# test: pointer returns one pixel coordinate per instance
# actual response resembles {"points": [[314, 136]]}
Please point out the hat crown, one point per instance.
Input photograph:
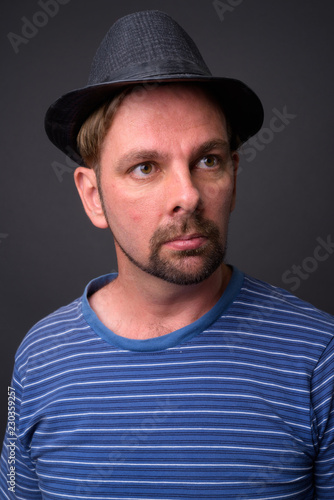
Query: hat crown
{"points": [[145, 43]]}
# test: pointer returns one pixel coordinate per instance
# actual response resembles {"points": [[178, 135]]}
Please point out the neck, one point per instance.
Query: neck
{"points": [[138, 305]]}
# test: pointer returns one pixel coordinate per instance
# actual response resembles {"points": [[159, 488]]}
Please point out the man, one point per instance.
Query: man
{"points": [[179, 377]]}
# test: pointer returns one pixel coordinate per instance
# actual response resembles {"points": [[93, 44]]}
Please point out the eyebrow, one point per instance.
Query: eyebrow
{"points": [[137, 156], [211, 145]]}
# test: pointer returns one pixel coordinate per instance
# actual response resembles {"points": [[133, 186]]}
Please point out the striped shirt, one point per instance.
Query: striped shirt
{"points": [[237, 405]]}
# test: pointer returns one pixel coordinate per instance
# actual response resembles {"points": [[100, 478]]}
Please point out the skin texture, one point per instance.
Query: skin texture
{"points": [[167, 189]]}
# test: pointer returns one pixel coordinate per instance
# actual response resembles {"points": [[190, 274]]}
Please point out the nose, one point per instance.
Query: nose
{"points": [[182, 194]]}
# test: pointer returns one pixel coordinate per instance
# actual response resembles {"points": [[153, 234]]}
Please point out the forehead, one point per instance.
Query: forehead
{"points": [[175, 97], [165, 116]]}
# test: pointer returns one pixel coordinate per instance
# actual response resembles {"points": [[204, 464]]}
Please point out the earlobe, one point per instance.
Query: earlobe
{"points": [[86, 184]]}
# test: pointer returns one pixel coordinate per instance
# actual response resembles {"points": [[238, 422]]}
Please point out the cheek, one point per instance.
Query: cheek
{"points": [[218, 198], [139, 212], [134, 217]]}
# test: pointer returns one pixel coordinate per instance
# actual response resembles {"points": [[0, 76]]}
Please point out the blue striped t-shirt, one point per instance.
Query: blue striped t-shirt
{"points": [[237, 405]]}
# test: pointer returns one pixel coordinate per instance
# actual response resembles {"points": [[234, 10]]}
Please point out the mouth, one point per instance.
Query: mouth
{"points": [[186, 242]]}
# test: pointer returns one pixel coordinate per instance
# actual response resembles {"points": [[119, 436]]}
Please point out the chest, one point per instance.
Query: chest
{"points": [[193, 421]]}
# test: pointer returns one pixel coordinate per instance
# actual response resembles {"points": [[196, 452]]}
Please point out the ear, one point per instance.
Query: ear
{"points": [[235, 161], [86, 183]]}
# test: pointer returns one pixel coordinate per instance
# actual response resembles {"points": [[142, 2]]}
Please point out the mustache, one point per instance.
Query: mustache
{"points": [[192, 224]]}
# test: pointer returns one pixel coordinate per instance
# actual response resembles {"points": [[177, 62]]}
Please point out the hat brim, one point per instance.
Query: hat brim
{"points": [[65, 117]]}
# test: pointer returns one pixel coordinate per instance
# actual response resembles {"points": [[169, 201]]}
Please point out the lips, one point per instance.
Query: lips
{"points": [[186, 242]]}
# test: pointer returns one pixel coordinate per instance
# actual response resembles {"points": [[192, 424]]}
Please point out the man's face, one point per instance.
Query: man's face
{"points": [[168, 183]]}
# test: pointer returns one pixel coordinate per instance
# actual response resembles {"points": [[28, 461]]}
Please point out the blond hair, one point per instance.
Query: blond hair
{"points": [[94, 130]]}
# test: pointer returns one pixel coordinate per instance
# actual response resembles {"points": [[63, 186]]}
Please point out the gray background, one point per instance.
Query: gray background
{"points": [[48, 248]]}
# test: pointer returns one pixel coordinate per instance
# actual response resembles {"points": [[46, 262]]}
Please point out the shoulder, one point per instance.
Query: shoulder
{"points": [[268, 294], [276, 308], [57, 328], [59, 334]]}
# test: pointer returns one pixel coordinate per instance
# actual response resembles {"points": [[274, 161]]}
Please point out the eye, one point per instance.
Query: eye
{"points": [[208, 161], [143, 170]]}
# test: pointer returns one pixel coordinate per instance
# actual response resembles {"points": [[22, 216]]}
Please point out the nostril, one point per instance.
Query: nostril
{"points": [[176, 209]]}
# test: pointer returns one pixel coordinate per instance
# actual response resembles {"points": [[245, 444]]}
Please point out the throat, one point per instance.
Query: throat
{"points": [[148, 332], [139, 315]]}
